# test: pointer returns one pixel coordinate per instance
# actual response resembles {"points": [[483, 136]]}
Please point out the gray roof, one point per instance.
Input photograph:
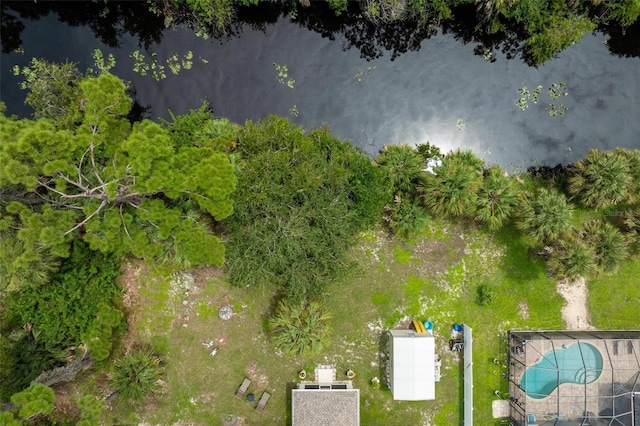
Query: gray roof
{"points": [[325, 407]]}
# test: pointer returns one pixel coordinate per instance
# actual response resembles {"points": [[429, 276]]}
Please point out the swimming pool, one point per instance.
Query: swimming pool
{"points": [[579, 363]]}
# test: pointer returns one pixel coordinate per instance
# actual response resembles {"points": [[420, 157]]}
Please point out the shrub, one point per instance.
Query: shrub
{"points": [[7, 419], [35, 400], [19, 269], [23, 356], [406, 217], [62, 310], [137, 374], [375, 383], [54, 90], [199, 128], [485, 294], [298, 328], [91, 409], [99, 335]]}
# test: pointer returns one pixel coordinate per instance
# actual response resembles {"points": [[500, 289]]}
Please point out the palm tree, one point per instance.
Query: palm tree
{"points": [[406, 217], [497, 198], [608, 244], [602, 179], [403, 166], [631, 228], [453, 188], [298, 328], [571, 259], [633, 158], [546, 216]]}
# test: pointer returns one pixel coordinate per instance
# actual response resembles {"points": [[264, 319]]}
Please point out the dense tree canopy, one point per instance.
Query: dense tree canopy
{"points": [[122, 188], [536, 29], [78, 305], [302, 197]]}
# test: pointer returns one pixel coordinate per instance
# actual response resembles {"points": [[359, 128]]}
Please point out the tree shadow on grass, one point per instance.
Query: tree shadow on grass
{"points": [[290, 387], [518, 263], [383, 358]]}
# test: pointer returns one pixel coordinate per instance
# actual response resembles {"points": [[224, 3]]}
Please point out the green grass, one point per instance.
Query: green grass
{"points": [[614, 298], [433, 279], [402, 255], [200, 388]]}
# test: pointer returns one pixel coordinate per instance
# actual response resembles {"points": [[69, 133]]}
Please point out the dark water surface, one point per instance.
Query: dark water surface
{"points": [[442, 93]]}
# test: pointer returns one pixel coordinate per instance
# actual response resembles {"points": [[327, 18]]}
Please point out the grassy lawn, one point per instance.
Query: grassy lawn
{"points": [[435, 278], [614, 299]]}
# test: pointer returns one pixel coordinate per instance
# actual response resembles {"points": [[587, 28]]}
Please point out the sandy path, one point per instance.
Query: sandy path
{"points": [[575, 312]]}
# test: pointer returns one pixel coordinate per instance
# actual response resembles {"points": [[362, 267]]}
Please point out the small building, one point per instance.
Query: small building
{"points": [[412, 369], [325, 401]]}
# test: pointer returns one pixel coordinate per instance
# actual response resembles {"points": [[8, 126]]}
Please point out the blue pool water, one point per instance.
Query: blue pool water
{"points": [[579, 363]]}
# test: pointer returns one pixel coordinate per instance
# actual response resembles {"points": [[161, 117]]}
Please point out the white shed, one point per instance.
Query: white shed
{"points": [[412, 365]]}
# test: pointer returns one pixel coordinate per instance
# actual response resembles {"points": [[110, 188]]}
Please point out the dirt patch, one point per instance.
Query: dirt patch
{"points": [[523, 310], [575, 312], [207, 399], [257, 375], [437, 256], [129, 282], [66, 396], [201, 275]]}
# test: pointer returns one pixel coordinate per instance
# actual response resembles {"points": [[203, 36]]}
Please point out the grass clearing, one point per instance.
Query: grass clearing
{"points": [[433, 278], [614, 298]]}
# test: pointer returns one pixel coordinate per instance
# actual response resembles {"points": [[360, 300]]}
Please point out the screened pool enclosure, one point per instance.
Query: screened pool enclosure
{"points": [[574, 377]]}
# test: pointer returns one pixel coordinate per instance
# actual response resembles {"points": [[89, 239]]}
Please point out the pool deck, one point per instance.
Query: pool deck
{"points": [[570, 400]]}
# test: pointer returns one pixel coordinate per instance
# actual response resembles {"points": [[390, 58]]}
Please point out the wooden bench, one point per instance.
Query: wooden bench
{"points": [[243, 388], [263, 401]]}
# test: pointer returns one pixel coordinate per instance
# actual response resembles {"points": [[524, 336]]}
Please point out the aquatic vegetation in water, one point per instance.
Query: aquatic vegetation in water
{"points": [[557, 89], [100, 63], [555, 92], [526, 95], [283, 75], [555, 110], [174, 62], [363, 72]]}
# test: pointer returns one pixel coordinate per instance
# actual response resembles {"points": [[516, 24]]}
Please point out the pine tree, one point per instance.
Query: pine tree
{"points": [[122, 188]]}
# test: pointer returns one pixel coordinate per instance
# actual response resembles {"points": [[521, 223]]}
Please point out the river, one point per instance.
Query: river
{"points": [[442, 93]]}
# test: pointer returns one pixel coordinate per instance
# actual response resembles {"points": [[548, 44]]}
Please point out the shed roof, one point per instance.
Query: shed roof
{"points": [[412, 372]]}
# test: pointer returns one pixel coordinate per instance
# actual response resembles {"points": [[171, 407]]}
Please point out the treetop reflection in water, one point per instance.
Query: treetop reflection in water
{"points": [[470, 22]]}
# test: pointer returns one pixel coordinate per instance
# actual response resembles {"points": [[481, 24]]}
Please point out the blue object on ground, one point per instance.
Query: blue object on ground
{"points": [[428, 325], [457, 327]]}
